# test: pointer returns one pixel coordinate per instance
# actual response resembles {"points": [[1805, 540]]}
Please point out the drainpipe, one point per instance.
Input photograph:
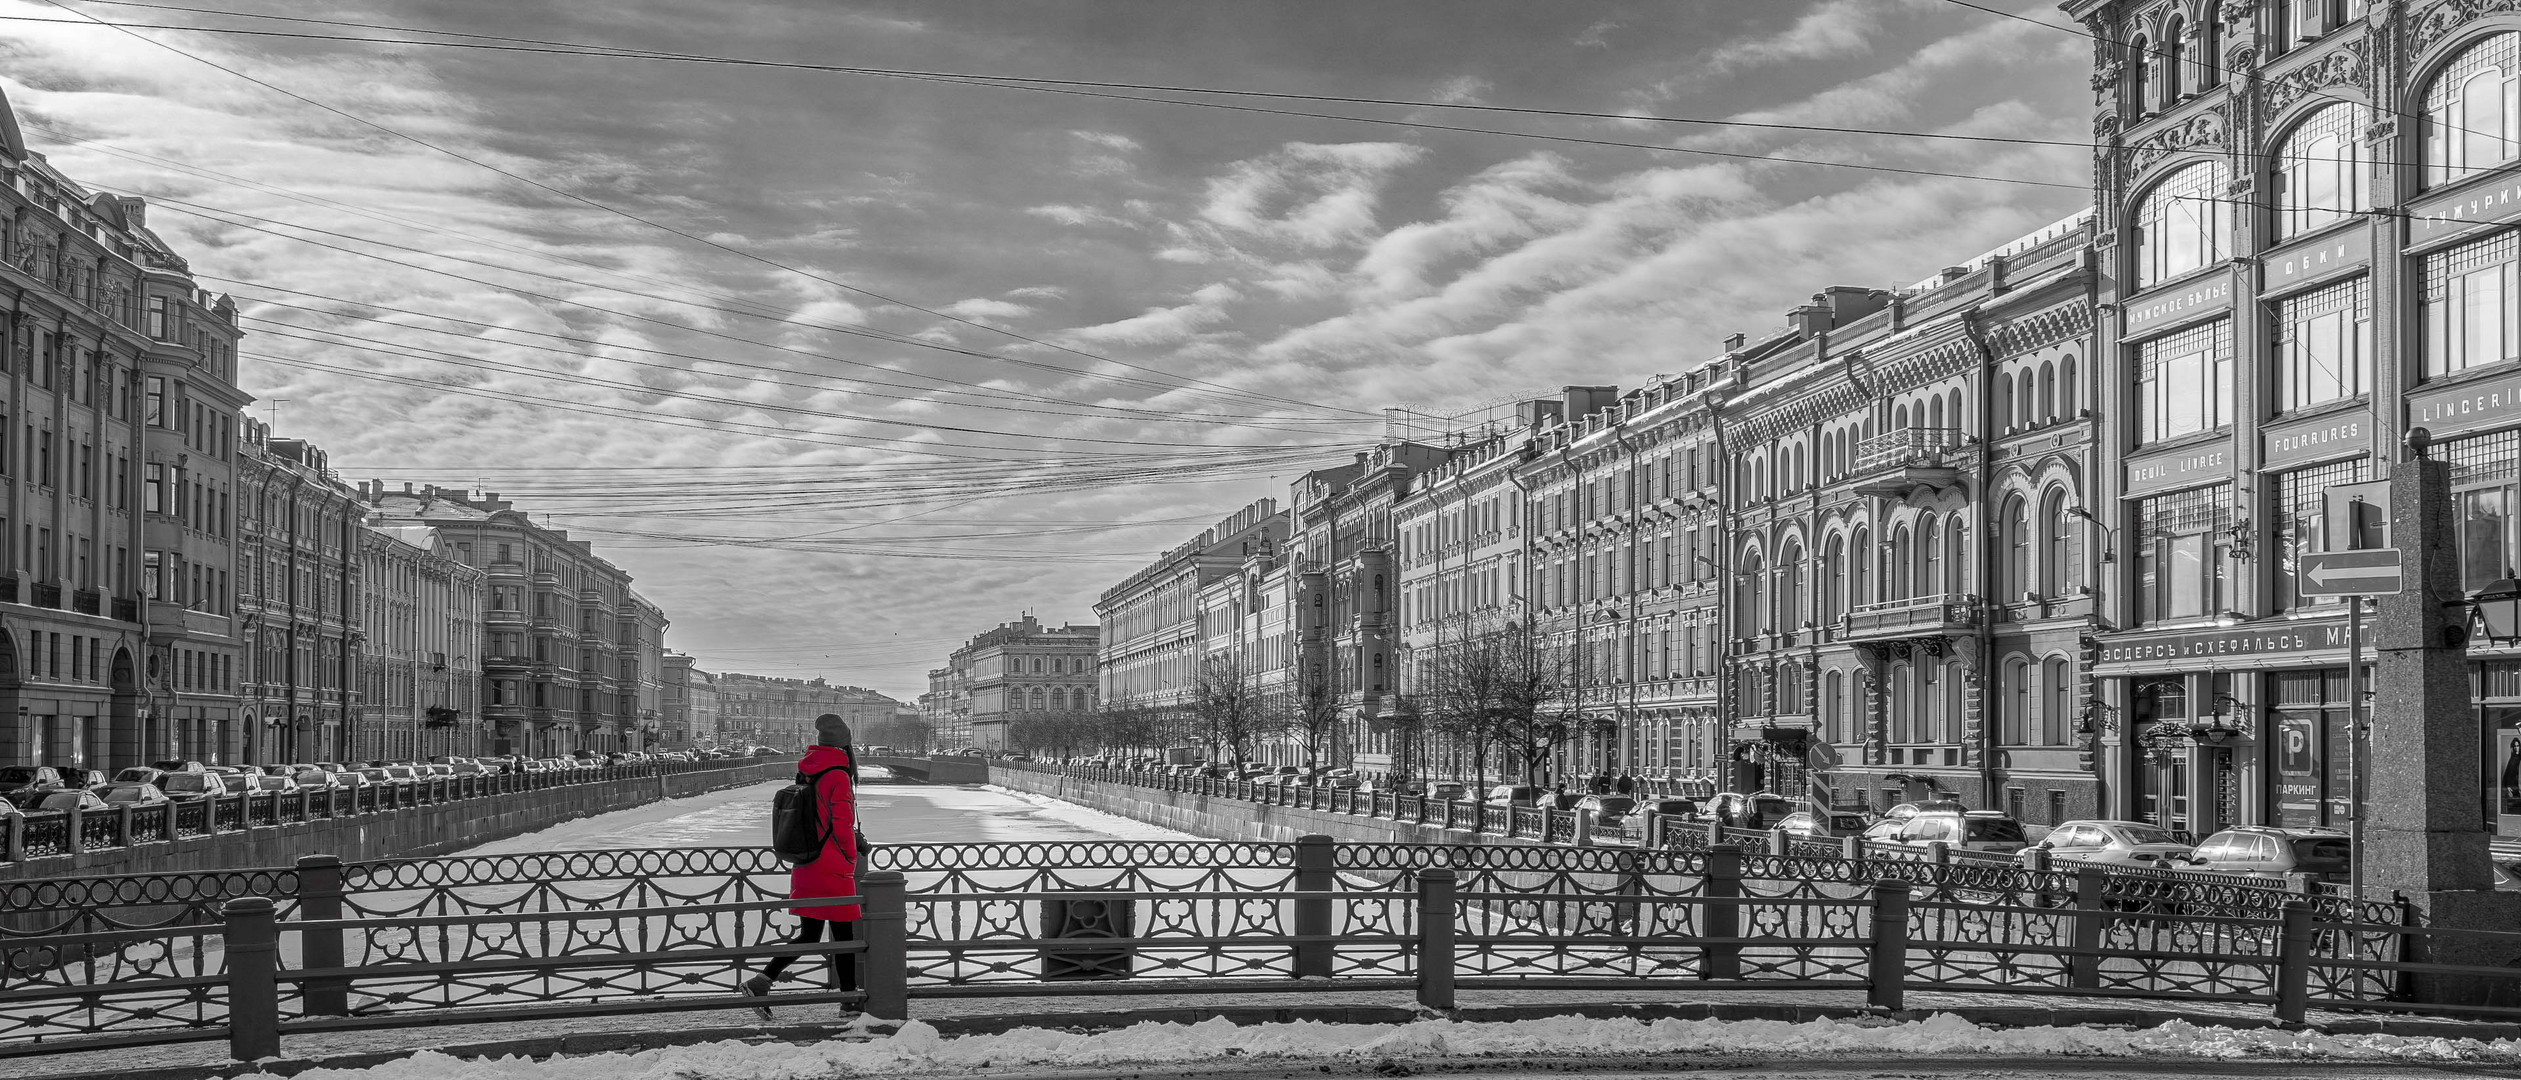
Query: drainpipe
{"points": [[1985, 564]]}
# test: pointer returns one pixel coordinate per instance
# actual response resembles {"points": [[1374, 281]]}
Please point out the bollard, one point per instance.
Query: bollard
{"points": [[1886, 967], [1435, 938], [884, 969], [1722, 958], [1315, 877], [253, 945], [319, 900], [2084, 964], [2293, 963]]}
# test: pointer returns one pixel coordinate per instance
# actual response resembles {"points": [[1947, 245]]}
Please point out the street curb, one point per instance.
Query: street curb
{"points": [[630, 1042]]}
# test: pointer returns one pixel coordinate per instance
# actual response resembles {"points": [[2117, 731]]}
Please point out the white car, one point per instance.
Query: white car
{"points": [[2115, 843]]}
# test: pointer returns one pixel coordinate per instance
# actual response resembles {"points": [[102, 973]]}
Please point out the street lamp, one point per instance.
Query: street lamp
{"points": [[2109, 539]]}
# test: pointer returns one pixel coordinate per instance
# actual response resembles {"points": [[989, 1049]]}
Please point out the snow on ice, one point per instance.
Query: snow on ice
{"points": [[919, 1050]]}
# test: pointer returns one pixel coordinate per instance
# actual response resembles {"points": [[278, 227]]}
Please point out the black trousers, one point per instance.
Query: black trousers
{"points": [[809, 931]]}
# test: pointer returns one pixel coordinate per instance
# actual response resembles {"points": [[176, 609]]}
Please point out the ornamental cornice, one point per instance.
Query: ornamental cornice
{"points": [[2443, 19], [2345, 65], [2207, 130]]}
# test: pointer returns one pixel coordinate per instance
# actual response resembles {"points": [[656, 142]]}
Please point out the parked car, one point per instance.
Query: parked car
{"points": [[133, 793], [76, 778], [310, 778], [1340, 778], [1973, 830], [22, 785], [1668, 809], [139, 774], [178, 765], [1605, 809], [1834, 823], [80, 799], [2115, 843], [1758, 810], [193, 787], [69, 798], [2273, 851], [266, 783], [1450, 790], [1514, 795]]}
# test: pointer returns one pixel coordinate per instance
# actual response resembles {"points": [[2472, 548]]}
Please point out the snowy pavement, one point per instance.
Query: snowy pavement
{"points": [[1860, 1047]]}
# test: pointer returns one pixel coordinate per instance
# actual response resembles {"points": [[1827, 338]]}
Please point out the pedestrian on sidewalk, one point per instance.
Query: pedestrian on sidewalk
{"points": [[1623, 785], [832, 768]]}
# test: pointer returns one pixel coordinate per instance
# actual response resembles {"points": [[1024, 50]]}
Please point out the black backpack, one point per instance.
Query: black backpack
{"points": [[797, 829]]}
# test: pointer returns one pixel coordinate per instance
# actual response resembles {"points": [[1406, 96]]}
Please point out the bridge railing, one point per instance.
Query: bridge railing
{"points": [[323, 946], [54, 833]]}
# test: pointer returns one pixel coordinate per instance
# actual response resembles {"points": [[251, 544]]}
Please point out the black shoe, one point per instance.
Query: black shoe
{"points": [[759, 986]]}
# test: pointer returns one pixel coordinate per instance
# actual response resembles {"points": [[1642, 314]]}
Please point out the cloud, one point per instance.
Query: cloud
{"points": [[1306, 194], [1596, 36], [1832, 30], [981, 308], [1462, 90], [1165, 326]]}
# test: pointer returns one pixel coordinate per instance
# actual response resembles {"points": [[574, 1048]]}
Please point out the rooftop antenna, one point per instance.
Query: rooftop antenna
{"points": [[276, 403]]}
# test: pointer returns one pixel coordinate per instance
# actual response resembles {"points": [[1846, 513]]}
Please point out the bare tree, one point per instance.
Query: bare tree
{"points": [[1505, 684], [1309, 709], [1230, 709]]}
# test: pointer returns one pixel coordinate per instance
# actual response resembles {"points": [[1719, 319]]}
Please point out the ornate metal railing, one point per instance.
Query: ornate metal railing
{"points": [[49, 834], [251, 956]]}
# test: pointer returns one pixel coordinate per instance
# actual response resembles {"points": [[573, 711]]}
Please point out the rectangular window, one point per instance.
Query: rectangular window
{"points": [[2469, 305], [2485, 492], [2184, 383], [2301, 514], [157, 318], [2181, 548], [155, 489], [2324, 346], [153, 404]]}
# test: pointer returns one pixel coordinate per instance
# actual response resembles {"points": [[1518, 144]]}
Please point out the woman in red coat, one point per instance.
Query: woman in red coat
{"points": [[834, 769]]}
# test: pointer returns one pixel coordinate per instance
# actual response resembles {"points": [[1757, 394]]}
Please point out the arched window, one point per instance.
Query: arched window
{"points": [[1899, 417], [1837, 724], [2016, 530], [1895, 573], [1956, 559], [2181, 224], [2205, 62], [1955, 684], [1789, 587], [2066, 387], [2057, 568], [2013, 724], [1902, 704], [1833, 591], [2322, 166], [2048, 393], [2471, 109], [1954, 398], [2174, 73], [1859, 569], [1935, 413], [1929, 561], [1747, 590], [2026, 398], [2002, 385], [2140, 75], [1790, 689], [2057, 678]]}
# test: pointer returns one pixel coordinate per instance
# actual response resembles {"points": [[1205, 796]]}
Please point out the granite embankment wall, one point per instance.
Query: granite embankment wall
{"points": [[1221, 818], [397, 832]]}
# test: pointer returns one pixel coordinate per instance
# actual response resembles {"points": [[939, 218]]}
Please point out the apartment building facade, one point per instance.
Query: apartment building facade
{"points": [[1025, 668], [688, 703], [1149, 623], [421, 611], [762, 710]]}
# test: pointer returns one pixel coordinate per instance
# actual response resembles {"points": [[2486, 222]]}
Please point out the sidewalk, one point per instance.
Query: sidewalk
{"points": [[963, 1016]]}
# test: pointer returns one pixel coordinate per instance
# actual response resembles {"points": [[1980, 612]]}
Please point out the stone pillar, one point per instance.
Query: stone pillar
{"points": [[2425, 831]]}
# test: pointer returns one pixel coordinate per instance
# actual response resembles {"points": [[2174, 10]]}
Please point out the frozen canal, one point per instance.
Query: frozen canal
{"points": [[892, 814]]}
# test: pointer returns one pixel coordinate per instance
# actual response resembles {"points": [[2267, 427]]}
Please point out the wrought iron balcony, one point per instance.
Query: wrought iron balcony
{"points": [[47, 594], [126, 609], [1895, 463], [1919, 616], [87, 601]]}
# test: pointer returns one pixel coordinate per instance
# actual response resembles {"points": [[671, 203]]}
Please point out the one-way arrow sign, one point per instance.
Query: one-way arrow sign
{"points": [[2371, 572]]}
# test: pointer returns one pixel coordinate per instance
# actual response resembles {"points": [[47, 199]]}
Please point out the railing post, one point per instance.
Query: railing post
{"points": [[1851, 848], [1780, 842], [2293, 963], [1316, 876], [1938, 853], [319, 900], [169, 810], [2034, 859], [1584, 828], [74, 836], [13, 838], [2084, 966], [1722, 957], [885, 973], [1435, 938], [253, 947], [1715, 833], [1886, 967]]}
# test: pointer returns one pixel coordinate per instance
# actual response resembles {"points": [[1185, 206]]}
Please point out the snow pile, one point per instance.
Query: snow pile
{"points": [[918, 1049], [1106, 826]]}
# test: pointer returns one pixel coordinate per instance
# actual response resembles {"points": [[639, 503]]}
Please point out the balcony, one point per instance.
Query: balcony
{"points": [[126, 609], [1896, 463], [1916, 617], [8, 590], [505, 569], [87, 602], [46, 594]]}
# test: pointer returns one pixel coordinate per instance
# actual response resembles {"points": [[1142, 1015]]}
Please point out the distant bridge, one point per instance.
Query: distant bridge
{"points": [[941, 770]]}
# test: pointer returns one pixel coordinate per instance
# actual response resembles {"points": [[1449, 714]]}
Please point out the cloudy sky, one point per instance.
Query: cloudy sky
{"points": [[845, 366]]}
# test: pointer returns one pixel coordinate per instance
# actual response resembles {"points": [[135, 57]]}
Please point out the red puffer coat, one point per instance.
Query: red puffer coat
{"points": [[836, 872]]}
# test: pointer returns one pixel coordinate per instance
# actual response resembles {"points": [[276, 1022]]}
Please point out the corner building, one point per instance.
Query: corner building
{"points": [[298, 564], [2306, 231]]}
